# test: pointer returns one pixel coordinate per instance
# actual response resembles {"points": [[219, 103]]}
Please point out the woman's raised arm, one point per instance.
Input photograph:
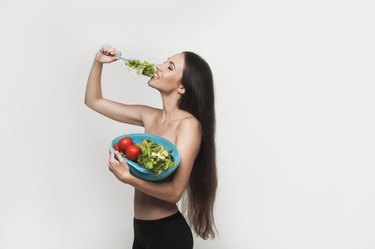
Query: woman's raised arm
{"points": [[130, 114]]}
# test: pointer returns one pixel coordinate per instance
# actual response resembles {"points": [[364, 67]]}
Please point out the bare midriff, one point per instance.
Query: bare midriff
{"points": [[147, 207]]}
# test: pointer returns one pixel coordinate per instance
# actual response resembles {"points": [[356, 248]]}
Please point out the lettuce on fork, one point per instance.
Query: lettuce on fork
{"points": [[145, 68]]}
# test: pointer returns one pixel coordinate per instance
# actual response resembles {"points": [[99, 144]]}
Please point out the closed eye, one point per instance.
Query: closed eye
{"points": [[171, 64]]}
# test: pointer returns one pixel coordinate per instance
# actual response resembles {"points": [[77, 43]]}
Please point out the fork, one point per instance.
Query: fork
{"points": [[122, 58]]}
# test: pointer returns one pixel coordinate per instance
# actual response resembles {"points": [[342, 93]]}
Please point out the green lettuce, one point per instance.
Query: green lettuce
{"points": [[155, 157], [145, 68]]}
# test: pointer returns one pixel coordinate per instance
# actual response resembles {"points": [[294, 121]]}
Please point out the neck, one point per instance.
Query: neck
{"points": [[170, 108]]}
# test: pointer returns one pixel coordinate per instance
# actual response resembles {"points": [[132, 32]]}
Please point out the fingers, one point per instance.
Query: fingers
{"points": [[119, 157], [111, 161], [115, 157], [112, 157], [118, 167], [109, 51], [110, 152], [110, 167], [106, 52]]}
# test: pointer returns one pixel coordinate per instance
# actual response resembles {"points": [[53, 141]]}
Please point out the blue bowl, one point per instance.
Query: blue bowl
{"points": [[138, 170]]}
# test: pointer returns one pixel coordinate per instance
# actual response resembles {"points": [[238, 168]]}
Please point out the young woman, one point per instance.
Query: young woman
{"points": [[187, 119]]}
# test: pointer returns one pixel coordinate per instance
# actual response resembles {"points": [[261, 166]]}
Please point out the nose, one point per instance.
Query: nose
{"points": [[158, 67]]}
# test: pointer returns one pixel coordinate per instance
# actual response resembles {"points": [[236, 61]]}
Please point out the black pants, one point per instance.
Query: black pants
{"points": [[171, 232]]}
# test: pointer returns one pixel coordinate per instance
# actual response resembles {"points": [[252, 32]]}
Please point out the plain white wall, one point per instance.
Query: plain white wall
{"points": [[295, 120]]}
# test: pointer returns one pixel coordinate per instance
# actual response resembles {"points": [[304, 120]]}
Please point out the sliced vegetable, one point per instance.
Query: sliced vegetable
{"points": [[155, 156]]}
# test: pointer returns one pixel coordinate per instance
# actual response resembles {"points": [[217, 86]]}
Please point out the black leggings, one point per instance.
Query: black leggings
{"points": [[166, 233]]}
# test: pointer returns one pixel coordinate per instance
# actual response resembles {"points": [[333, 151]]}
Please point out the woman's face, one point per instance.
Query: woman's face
{"points": [[167, 77]]}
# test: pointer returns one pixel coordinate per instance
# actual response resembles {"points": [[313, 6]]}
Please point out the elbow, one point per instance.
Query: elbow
{"points": [[89, 103], [173, 200], [175, 197], [177, 190], [86, 102]]}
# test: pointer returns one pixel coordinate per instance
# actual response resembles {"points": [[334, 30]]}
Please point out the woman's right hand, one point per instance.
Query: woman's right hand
{"points": [[107, 55]]}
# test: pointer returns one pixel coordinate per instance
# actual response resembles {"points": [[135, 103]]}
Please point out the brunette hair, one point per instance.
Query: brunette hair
{"points": [[198, 100]]}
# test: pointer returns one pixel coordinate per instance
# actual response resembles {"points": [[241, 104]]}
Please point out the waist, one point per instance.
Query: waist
{"points": [[177, 215], [150, 208]]}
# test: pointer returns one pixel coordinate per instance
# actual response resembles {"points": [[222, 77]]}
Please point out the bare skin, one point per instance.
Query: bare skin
{"points": [[151, 200], [146, 206]]}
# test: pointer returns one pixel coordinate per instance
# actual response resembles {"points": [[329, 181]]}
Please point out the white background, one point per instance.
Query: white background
{"points": [[294, 85]]}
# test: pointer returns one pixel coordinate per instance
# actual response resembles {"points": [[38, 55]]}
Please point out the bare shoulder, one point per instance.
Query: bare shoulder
{"points": [[188, 142], [189, 132], [189, 123]]}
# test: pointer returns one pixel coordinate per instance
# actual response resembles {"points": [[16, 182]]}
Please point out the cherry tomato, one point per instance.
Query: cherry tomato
{"points": [[132, 152], [124, 143], [115, 146]]}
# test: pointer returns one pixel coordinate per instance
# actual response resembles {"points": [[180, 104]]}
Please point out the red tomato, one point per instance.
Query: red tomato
{"points": [[132, 152], [124, 143], [115, 146]]}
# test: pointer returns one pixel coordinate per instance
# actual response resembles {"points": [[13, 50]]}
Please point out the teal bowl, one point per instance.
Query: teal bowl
{"points": [[138, 170]]}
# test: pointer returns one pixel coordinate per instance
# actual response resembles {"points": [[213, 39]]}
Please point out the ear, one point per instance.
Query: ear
{"points": [[181, 89]]}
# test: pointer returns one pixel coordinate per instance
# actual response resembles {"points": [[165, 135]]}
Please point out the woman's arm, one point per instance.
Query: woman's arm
{"points": [[130, 114], [188, 144], [93, 87]]}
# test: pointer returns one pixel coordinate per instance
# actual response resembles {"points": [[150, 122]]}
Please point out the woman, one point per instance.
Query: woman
{"points": [[188, 120]]}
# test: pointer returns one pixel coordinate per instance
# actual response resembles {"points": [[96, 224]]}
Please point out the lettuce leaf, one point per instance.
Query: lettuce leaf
{"points": [[145, 68], [155, 156]]}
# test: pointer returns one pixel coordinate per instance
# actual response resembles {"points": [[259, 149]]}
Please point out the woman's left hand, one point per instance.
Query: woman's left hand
{"points": [[119, 167]]}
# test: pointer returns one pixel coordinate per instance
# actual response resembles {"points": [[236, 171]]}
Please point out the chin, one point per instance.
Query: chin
{"points": [[150, 84]]}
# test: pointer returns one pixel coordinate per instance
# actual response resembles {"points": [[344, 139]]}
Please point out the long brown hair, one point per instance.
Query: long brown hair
{"points": [[198, 100]]}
